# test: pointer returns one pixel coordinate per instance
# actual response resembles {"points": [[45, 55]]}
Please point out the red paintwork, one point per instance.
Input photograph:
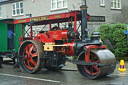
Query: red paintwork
{"points": [[69, 49], [56, 35], [31, 56], [64, 34], [90, 69], [20, 40], [51, 36], [9, 22], [22, 31], [75, 22], [50, 27], [48, 18], [31, 33], [43, 37], [89, 47], [19, 21]]}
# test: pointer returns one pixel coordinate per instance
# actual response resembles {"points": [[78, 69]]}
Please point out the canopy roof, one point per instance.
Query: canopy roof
{"points": [[55, 18], [9, 21]]}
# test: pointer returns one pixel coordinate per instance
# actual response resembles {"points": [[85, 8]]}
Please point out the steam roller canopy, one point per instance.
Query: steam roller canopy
{"points": [[104, 57]]}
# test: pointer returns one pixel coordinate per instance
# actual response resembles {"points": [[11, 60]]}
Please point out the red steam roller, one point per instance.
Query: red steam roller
{"points": [[49, 49]]}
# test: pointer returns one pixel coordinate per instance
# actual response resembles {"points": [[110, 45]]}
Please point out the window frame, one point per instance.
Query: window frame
{"points": [[0, 12], [17, 8], [116, 2], [102, 4], [56, 3]]}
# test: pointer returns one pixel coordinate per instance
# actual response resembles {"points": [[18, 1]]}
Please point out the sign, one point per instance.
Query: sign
{"points": [[58, 16], [22, 21], [125, 32], [96, 19], [40, 18]]}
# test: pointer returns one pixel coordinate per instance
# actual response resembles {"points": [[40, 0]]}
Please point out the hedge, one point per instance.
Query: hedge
{"points": [[113, 36]]}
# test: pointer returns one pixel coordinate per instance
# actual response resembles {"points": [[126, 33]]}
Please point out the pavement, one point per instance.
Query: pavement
{"points": [[70, 66]]}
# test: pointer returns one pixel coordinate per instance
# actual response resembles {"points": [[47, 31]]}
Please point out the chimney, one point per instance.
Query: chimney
{"points": [[84, 32]]}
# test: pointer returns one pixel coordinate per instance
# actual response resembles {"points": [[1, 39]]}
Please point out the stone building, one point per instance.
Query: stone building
{"points": [[101, 11]]}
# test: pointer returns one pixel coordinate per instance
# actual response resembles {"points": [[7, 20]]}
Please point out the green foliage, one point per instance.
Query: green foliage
{"points": [[118, 40]]}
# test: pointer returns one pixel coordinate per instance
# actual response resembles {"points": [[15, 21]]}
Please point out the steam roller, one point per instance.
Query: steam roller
{"points": [[106, 65], [49, 49]]}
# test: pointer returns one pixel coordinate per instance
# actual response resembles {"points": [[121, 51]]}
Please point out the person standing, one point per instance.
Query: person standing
{"points": [[10, 35]]}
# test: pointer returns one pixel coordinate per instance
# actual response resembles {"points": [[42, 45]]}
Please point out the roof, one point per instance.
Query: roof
{"points": [[46, 19], [55, 18], [10, 21]]}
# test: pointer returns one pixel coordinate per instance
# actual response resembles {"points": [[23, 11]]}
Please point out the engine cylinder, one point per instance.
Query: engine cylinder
{"points": [[69, 50]]}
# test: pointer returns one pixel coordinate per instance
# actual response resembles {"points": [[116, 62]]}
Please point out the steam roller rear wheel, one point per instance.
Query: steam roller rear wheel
{"points": [[104, 57], [31, 56]]}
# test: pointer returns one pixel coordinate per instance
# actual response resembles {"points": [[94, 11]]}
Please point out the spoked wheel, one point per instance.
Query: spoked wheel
{"points": [[92, 70], [31, 56], [95, 71]]}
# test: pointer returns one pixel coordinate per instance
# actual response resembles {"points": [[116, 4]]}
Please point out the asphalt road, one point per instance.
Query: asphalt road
{"points": [[68, 76]]}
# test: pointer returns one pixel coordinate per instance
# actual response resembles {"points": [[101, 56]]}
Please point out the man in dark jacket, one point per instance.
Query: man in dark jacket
{"points": [[10, 35]]}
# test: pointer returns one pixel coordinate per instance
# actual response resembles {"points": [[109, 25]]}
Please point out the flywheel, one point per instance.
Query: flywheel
{"points": [[31, 56]]}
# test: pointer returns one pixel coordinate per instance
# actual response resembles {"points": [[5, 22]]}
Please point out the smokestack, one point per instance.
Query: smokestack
{"points": [[84, 32]]}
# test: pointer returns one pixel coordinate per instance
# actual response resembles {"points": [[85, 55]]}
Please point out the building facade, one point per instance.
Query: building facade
{"points": [[112, 11]]}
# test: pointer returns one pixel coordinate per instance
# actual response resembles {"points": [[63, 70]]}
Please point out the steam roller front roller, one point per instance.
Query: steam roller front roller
{"points": [[103, 57], [31, 56]]}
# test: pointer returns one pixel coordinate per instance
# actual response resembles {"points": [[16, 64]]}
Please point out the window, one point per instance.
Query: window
{"points": [[115, 4], [17, 9], [0, 13], [58, 4], [102, 3]]}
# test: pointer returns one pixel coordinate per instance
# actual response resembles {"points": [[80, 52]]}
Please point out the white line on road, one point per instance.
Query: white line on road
{"points": [[121, 74], [30, 78]]}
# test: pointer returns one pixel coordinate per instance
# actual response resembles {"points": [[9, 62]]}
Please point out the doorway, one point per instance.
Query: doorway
{"points": [[10, 36]]}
